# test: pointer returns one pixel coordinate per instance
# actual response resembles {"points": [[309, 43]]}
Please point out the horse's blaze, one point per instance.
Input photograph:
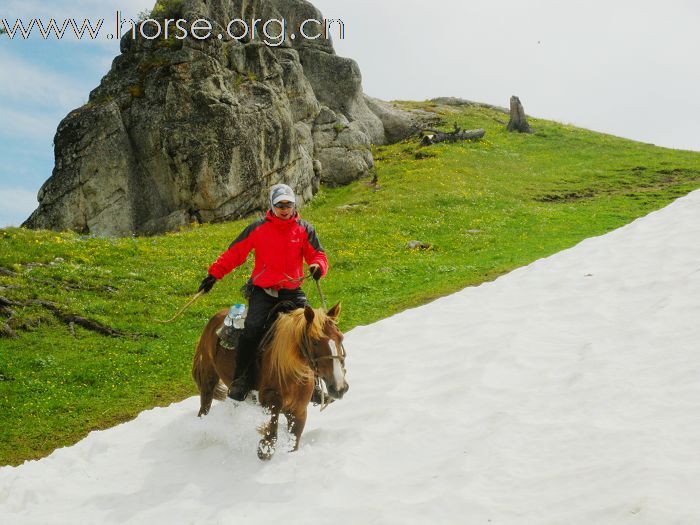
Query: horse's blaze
{"points": [[338, 376]]}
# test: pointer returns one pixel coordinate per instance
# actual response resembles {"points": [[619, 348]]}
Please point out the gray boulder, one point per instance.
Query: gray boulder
{"points": [[188, 130], [399, 124]]}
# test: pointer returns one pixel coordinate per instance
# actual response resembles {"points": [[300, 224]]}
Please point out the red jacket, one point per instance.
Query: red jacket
{"points": [[279, 248]]}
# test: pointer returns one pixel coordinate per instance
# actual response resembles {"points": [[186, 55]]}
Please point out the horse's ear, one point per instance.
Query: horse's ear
{"points": [[334, 312], [309, 314]]}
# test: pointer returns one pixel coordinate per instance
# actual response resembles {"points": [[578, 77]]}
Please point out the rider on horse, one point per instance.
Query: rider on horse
{"points": [[282, 241]]}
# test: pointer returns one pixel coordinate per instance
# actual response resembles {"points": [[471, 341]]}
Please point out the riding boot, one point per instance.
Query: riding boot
{"points": [[242, 382]]}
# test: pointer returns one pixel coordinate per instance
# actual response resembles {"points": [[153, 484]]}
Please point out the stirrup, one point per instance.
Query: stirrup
{"points": [[317, 395], [239, 389]]}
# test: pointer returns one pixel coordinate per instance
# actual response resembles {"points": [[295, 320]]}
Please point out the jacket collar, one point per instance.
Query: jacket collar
{"points": [[274, 219]]}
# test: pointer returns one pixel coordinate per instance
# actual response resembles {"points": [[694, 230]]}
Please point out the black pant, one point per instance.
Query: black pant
{"points": [[258, 321], [261, 305]]}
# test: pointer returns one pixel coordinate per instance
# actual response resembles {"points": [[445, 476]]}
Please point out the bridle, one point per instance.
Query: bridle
{"points": [[313, 364], [341, 357], [313, 361]]}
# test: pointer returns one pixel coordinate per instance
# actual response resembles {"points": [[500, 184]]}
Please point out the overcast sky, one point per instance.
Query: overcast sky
{"points": [[623, 67]]}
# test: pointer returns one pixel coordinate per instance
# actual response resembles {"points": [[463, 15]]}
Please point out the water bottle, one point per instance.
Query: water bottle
{"points": [[236, 316]]}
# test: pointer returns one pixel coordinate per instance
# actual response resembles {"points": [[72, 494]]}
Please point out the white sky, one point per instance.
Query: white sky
{"points": [[565, 392], [622, 67]]}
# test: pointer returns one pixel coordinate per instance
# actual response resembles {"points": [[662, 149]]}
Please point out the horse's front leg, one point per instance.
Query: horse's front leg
{"points": [[272, 401], [296, 421]]}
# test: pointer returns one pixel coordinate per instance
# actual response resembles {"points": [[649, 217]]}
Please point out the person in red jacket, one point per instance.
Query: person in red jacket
{"points": [[282, 241]]}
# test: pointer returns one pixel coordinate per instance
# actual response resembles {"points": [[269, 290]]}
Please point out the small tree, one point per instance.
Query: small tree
{"points": [[143, 15], [167, 9]]}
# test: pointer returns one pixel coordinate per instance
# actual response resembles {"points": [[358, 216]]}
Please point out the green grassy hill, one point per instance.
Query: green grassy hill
{"points": [[484, 208]]}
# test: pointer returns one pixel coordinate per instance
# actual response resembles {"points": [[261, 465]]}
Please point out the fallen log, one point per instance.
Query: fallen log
{"points": [[69, 318], [458, 134], [65, 317], [7, 272]]}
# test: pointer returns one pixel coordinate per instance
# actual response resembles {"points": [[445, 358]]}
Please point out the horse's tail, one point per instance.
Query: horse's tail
{"points": [[204, 370], [198, 365]]}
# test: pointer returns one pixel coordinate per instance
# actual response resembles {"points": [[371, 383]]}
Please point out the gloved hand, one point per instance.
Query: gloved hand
{"points": [[207, 284], [315, 271]]}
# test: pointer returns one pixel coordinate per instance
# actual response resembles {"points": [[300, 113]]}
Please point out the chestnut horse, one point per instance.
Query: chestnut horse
{"points": [[300, 344]]}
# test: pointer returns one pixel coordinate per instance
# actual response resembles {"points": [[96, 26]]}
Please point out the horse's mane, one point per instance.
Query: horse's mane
{"points": [[283, 344]]}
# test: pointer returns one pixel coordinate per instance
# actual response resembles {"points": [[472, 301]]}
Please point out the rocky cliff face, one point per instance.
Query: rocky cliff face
{"points": [[189, 130]]}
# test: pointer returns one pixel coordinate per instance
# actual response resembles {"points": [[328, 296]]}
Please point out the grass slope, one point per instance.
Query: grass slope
{"points": [[485, 208]]}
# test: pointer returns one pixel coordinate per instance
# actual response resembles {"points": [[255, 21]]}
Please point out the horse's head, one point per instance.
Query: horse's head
{"points": [[327, 354]]}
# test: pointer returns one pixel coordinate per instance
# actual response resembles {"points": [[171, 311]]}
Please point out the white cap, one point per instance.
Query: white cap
{"points": [[281, 192]]}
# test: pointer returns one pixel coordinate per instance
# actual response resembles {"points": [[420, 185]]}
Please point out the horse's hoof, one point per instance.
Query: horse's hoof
{"points": [[265, 450]]}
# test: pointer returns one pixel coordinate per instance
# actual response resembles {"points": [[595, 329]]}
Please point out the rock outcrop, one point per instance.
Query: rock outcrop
{"points": [[456, 101], [197, 130]]}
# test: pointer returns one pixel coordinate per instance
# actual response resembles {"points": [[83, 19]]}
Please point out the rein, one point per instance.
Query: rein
{"points": [[301, 280], [320, 294]]}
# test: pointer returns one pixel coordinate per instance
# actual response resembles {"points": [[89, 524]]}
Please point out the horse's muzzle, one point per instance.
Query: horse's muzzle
{"points": [[338, 394]]}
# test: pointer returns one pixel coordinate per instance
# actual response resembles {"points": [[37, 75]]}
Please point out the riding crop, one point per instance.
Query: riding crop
{"points": [[199, 294], [196, 296]]}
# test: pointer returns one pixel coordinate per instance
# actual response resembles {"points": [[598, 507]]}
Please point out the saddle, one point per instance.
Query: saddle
{"points": [[229, 335]]}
